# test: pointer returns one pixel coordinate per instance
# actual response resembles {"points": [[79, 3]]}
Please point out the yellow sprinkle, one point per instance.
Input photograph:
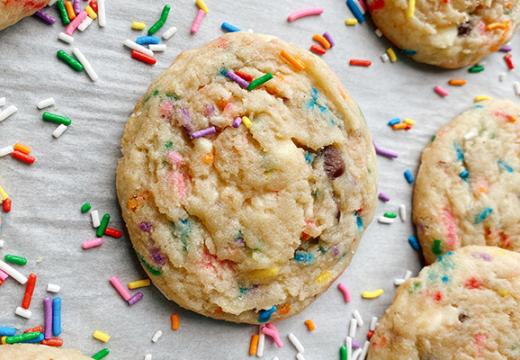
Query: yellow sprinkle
{"points": [[262, 276], [138, 284], [503, 292], [2, 340], [411, 9], [138, 25], [297, 64], [372, 294], [3, 194], [391, 55], [480, 98], [246, 122], [101, 336], [91, 13], [351, 22], [202, 5], [323, 277], [409, 121]]}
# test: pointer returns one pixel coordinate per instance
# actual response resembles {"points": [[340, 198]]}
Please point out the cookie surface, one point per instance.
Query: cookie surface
{"points": [[468, 185], [254, 221], [12, 11], [38, 352], [449, 34], [464, 306]]}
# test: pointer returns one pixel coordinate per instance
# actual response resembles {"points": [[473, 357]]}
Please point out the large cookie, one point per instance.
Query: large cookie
{"points": [[449, 34], [38, 352], [468, 184], [261, 215], [12, 11], [465, 306]]}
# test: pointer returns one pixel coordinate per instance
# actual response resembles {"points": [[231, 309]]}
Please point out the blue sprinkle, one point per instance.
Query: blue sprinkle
{"points": [[483, 215], [56, 316], [147, 40], [412, 240], [408, 176], [464, 174], [505, 166], [359, 222], [265, 315], [322, 108], [394, 121], [356, 11], [223, 72], [445, 279], [460, 153], [39, 339], [227, 27], [308, 157], [409, 52], [304, 257], [7, 331]]}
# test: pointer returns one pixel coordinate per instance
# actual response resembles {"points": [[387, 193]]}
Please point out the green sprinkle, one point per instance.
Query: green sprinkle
{"points": [[69, 60], [390, 215], [153, 270], [55, 118], [343, 353], [85, 207], [162, 20], [259, 81], [476, 69], [437, 247], [60, 4], [13, 259], [22, 337], [100, 231], [101, 354]]}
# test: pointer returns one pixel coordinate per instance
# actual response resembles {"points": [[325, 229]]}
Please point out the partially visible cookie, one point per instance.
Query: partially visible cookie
{"points": [[38, 352], [465, 306], [13, 11], [468, 186], [449, 34]]}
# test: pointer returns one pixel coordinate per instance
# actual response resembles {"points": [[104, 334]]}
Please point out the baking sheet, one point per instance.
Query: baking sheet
{"points": [[47, 227]]}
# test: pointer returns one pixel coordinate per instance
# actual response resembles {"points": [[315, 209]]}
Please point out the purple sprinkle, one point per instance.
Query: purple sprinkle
{"points": [[186, 120], [385, 152], [327, 36], [231, 75], [506, 48], [383, 197], [237, 122], [157, 257], [335, 250], [46, 18], [76, 6], [145, 226], [209, 110], [204, 132], [47, 310], [481, 255], [355, 344], [135, 298]]}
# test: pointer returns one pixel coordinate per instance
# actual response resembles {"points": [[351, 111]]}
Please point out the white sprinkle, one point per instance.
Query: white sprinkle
{"points": [[299, 356], [53, 288], [378, 33], [59, 131], [15, 274], [365, 350], [385, 220], [101, 13], [275, 358], [471, 134], [501, 77], [2, 101], [352, 328], [169, 33], [373, 323], [516, 86], [157, 334], [25, 313], [398, 281], [135, 46], [148, 357], [85, 24], [349, 347], [65, 38], [296, 343], [261, 345], [358, 318], [6, 150], [86, 64], [46, 103], [2, 243], [407, 274], [51, 2], [94, 215], [8, 111], [356, 353], [385, 58], [402, 212], [157, 47]]}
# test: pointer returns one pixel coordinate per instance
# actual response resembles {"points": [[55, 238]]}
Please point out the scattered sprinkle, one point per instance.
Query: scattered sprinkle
{"points": [[372, 294], [304, 13]]}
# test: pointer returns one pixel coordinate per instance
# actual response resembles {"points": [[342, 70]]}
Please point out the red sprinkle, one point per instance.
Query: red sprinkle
{"points": [[113, 232], [56, 342], [143, 57], [508, 58], [370, 333], [6, 205], [317, 49], [29, 290], [360, 62], [38, 328], [376, 5], [93, 5], [20, 156], [244, 75]]}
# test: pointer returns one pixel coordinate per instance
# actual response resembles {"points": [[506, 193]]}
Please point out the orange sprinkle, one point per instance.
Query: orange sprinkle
{"points": [[310, 325], [56, 342], [494, 26], [401, 126], [208, 159], [253, 345], [22, 148], [321, 40], [284, 309], [509, 5], [176, 321], [296, 64], [221, 104], [70, 10], [457, 82]]}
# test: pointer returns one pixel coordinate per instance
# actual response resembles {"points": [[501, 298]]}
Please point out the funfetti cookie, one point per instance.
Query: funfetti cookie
{"points": [[12, 11], [38, 352], [247, 179], [468, 184], [450, 34], [464, 306]]}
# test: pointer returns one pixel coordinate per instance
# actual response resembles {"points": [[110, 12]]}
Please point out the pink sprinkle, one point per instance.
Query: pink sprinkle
{"points": [[75, 23], [116, 283], [197, 21], [450, 225], [303, 13], [178, 181], [175, 158], [440, 91], [3, 275], [344, 291], [89, 244], [271, 331]]}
